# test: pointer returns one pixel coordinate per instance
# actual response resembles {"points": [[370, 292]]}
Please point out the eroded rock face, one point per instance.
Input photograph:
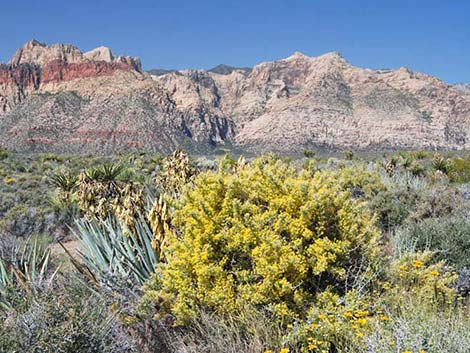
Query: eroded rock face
{"points": [[55, 98], [324, 101], [36, 64], [463, 87]]}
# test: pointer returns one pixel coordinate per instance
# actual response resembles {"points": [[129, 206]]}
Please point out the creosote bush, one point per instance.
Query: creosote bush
{"points": [[265, 235]]}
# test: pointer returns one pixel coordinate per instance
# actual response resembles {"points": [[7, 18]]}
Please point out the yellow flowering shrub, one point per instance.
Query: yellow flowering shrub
{"points": [[262, 235], [360, 181], [9, 180], [414, 274], [336, 323], [344, 323]]}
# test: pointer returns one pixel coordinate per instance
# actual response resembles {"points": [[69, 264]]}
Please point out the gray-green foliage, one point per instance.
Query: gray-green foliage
{"points": [[420, 328], [65, 318], [448, 237], [109, 251], [25, 267]]}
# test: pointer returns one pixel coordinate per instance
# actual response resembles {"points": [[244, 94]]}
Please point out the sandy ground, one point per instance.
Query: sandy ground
{"points": [[72, 246]]}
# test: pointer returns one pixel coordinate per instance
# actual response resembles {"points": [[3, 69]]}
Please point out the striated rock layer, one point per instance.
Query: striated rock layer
{"points": [[56, 98]]}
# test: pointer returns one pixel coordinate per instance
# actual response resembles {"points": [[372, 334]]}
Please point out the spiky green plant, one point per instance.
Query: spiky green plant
{"points": [[24, 267], [65, 182], [107, 251], [93, 174], [441, 164], [111, 171]]}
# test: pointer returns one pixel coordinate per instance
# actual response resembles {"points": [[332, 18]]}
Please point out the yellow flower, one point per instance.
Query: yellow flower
{"points": [[417, 264], [290, 326], [312, 346], [361, 321], [434, 273], [9, 180], [322, 316], [268, 351], [360, 313], [422, 351], [407, 352], [359, 334], [404, 267], [348, 314], [284, 350], [384, 318]]}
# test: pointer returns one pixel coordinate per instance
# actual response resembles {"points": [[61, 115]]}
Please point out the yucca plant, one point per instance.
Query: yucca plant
{"points": [[178, 170], [107, 173], [110, 171], [24, 267], [159, 218], [107, 251], [93, 174], [441, 164], [65, 182]]}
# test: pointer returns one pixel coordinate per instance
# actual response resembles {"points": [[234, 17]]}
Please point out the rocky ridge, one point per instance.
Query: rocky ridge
{"points": [[56, 98]]}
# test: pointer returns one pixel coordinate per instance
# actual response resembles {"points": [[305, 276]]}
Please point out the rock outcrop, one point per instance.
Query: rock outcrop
{"points": [[36, 64], [56, 98], [463, 87]]}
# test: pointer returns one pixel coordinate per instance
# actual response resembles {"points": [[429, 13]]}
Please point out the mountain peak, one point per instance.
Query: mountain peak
{"points": [[36, 52], [296, 56], [33, 43], [223, 69], [333, 55], [100, 54], [41, 54]]}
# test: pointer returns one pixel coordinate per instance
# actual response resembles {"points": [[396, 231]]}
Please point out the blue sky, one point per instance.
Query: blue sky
{"points": [[429, 36]]}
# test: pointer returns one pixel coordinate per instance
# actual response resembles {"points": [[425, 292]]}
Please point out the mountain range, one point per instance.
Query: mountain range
{"points": [[58, 99]]}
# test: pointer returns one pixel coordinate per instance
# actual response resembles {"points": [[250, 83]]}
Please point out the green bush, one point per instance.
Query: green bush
{"points": [[69, 318], [460, 170], [420, 328], [393, 206], [265, 235], [448, 237]]}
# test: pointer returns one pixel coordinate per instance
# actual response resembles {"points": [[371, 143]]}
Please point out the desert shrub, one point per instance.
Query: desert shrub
{"points": [[309, 154], [438, 201], [335, 324], [345, 323], [358, 180], [460, 170], [391, 199], [253, 332], [3, 153], [420, 328], [418, 275], [45, 310], [68, 318], [266, 236], [393, 205], [409, 199], [448, 237]]}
